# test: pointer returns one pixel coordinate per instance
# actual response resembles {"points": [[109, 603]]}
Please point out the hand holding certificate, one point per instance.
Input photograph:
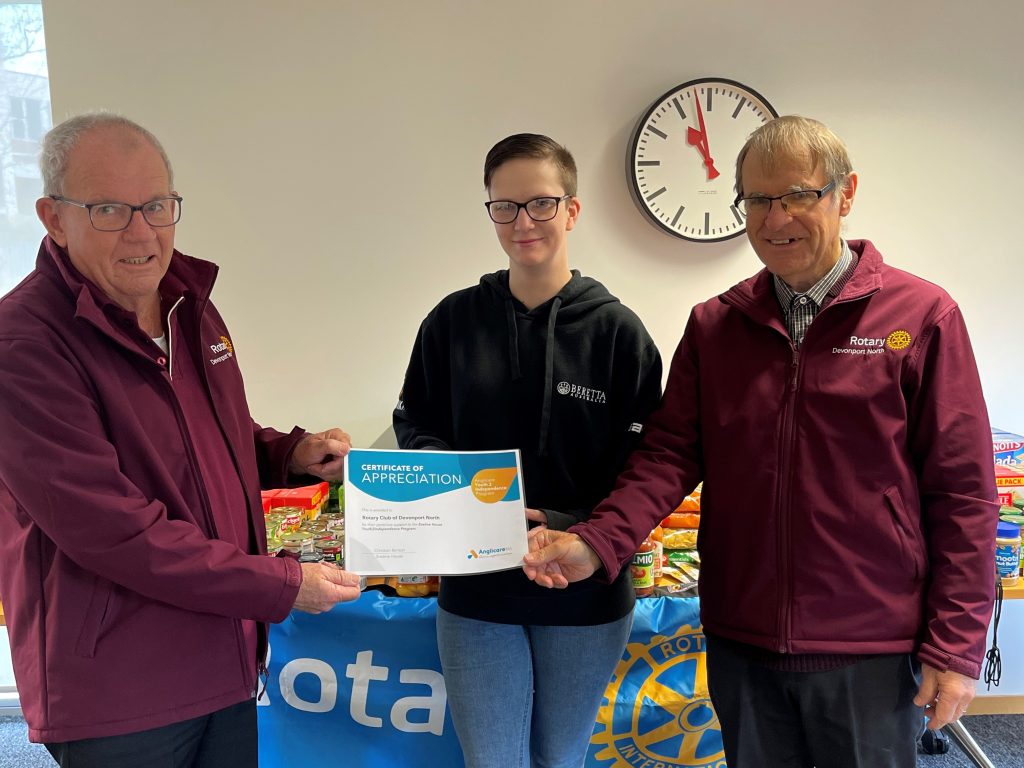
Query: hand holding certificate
{"points": [[433, 512]]}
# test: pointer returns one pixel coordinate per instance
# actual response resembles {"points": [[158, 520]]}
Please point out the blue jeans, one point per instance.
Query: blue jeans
{"points": [[523, 696]]}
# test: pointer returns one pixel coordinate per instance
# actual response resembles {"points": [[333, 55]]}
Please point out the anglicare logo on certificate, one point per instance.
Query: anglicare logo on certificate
{"points": [[443, 513]]}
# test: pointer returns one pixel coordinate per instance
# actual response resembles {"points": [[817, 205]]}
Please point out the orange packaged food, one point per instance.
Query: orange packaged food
{"points": [[690, 504], [682, 520]]}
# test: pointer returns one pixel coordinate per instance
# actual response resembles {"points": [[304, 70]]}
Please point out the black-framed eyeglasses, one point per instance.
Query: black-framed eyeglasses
{"points": [[113, 217], [538, 209], [792, 202]]}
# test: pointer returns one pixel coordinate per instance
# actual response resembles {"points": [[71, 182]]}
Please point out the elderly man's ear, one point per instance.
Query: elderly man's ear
{"points": [[46, 210], [846, 196]]}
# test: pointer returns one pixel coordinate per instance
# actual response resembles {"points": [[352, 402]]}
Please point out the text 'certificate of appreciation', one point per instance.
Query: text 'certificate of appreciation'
{"points": [[440, 513]]}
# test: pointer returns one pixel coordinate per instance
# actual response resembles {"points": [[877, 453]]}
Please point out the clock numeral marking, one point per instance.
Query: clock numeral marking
{"points": [[679, 108], [678, 214], [646, 163], [656, 132], [708, 93], [707, 222], [655, 194], [743, 101], [736, 213]]}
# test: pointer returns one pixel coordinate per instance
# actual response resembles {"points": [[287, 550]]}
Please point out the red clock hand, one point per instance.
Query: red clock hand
{"points": [[699, 139]]}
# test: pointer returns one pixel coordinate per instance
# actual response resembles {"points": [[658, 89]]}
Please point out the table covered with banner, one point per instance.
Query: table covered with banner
{"points": [[362, 686]]}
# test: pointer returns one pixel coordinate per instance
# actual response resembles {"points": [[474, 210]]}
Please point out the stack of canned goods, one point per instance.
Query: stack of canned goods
{"points": [[291, 533]]}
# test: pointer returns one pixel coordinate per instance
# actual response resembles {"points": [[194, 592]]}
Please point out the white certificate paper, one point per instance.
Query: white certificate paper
{"points": [[442, 513]]}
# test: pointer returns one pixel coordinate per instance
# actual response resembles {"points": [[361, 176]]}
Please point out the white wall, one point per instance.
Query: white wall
{"points": [[330, 156]]}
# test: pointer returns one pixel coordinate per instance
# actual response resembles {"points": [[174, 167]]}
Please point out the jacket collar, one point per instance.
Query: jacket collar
{"points": [[756, 295], [186, 276]]}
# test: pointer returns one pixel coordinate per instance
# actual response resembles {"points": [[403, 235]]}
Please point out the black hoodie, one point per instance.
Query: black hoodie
{"points": [[569, 384]]}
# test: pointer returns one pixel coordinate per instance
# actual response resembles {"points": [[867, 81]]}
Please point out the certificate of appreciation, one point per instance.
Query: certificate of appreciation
{"points": [[433, 512]]}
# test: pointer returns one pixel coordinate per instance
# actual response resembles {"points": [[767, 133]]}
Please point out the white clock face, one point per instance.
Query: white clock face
{"points": [[683, 157]]}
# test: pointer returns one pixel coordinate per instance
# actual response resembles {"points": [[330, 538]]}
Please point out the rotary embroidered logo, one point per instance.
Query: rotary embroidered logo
{"points": [[898, 339], [657, 710], [223, 351]]}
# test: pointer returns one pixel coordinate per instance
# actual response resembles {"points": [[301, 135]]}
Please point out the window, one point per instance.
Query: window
{"points": [[24, 120], [29, 118]]}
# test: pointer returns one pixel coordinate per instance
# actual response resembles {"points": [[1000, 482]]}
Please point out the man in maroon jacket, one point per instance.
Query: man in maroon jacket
{"points": [[132, 544], [832, 408]]}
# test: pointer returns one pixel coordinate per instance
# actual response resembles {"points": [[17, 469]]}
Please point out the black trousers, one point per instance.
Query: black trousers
{"points": [[858, 716], [223, 739]]}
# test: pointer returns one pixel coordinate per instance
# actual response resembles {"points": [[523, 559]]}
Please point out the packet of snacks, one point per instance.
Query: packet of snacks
{"points": [[679, 538]]}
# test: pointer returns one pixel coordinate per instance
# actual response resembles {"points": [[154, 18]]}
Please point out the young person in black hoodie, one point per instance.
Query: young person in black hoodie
{"points": [[539, 358]]}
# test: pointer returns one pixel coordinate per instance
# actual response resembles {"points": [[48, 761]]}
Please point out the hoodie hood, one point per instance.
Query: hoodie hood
{"points": [[577, 300]]}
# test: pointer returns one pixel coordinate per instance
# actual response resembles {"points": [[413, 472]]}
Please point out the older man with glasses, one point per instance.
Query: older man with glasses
{"points": [[832, 408], [132, 543]]}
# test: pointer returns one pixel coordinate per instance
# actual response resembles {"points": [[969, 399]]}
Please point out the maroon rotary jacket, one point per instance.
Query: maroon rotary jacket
{"points": [[848, 503], [124, 601]]}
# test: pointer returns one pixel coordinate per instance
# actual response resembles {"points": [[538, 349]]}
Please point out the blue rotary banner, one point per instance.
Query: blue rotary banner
{"points": [[362, 686]]}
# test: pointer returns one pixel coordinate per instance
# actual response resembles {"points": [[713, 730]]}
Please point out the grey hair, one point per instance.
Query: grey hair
{"points": [[785, 136], [62, 138]]}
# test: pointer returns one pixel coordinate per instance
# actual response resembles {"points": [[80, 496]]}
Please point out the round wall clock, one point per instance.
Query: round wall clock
{"points": [[682, 157]]}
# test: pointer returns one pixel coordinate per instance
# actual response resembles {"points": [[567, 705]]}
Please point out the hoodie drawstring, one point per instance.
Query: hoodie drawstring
{"points": [[549, 370], [513, 338]]}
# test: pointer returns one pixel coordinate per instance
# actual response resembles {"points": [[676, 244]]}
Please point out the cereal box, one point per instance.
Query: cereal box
{"points": [[1008, 448], [1010, 485]]}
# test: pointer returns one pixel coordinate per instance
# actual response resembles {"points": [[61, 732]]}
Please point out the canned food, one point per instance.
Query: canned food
{"points": [[333, 521], [332, 550], [274, 521], [297, 542], [292, 518]]}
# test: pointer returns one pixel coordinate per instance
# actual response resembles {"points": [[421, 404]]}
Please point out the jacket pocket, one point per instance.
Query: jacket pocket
{"points": [[95, 616], [909, 540]]}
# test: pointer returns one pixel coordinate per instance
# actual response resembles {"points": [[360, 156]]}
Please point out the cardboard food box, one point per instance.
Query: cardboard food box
{"points": [[311, 499], [1010, 485], [267, 497], [1007, 448]]}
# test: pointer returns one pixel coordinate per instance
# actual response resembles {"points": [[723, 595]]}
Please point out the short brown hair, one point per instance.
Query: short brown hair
{"points": [[534, 146]]}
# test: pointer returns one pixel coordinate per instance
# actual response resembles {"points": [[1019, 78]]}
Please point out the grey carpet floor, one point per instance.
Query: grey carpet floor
{"points": [[1000, 736]]}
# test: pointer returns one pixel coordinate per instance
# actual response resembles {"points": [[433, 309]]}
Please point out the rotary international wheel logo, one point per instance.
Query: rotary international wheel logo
{"points": [[898, 340], [656, 710]]}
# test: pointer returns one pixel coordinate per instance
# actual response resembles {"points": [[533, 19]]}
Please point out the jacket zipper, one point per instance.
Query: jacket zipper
{"points": [[261, 670], [194, 464], [788, 440], [170, 338], [784, 499]]}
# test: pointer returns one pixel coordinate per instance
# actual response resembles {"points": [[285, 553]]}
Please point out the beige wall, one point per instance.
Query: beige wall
{"points": [[330, 156]]}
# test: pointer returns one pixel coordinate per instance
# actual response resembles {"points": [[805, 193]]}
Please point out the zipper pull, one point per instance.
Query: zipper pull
{"points": [[264, 675], [795, 368]]}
